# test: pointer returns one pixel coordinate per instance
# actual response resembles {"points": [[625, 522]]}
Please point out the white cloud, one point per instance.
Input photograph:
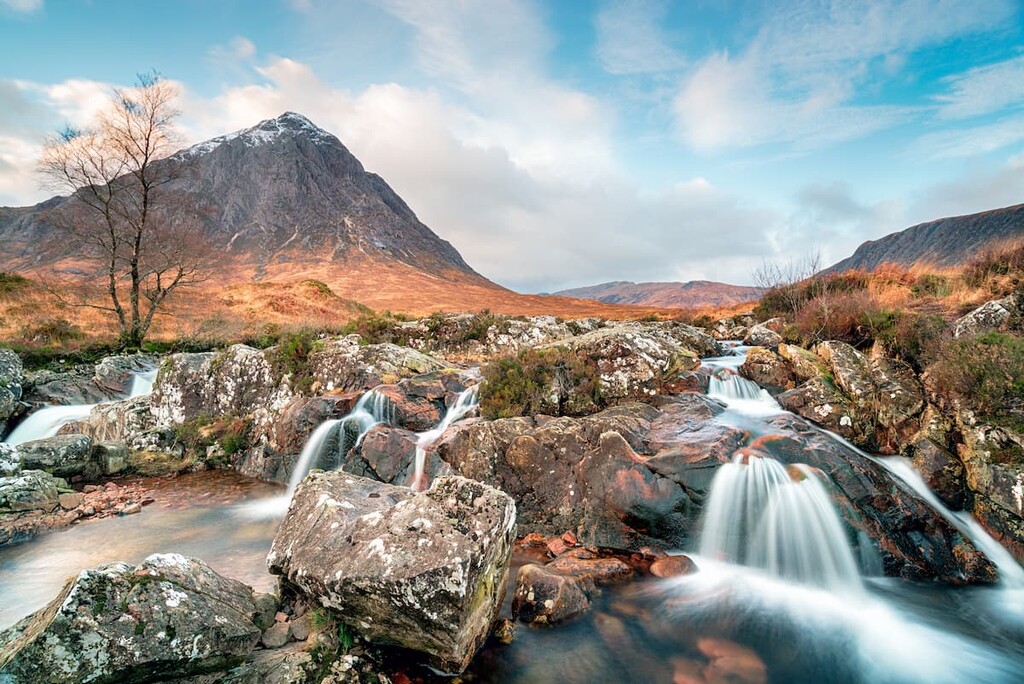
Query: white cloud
{"points": [[801, 79], [25, 6], [975, 191], [972, 141], [630, 39], [983, 90]]}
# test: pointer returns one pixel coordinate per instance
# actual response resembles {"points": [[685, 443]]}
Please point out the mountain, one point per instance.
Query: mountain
{"points": [[695, 294], [286, 202], [942, 243]]}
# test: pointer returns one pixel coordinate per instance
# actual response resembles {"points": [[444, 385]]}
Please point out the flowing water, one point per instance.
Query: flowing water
{"points": [[47, 421], [465, 404], [778, 599]]}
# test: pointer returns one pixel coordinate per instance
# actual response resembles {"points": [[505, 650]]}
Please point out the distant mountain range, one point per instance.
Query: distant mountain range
{"points": [[695, 294], [285, 201], [942, 243]]}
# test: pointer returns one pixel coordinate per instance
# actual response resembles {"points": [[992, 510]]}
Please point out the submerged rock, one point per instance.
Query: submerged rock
{"points": [[426, 571], [167, 617]]}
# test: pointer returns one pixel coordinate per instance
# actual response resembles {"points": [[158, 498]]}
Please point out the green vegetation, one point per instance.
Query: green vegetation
{"points": [[196, 435], [52, 331], [984, 372], [553, 381], [1000, 269], [291, 357], [12, 282]]}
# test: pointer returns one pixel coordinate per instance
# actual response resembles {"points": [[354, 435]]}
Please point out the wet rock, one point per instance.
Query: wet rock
{"points": [[132, 509], [588, 566], [731, 663], [672, 566], [31, 490], [993, 459], [169, 616], [820, 401], [10, 461], [301, 416], [913, 540], [63, 455], [768, 369], [989, 316], [131, 422], [426, 571], [942, 472], [543, 597], [504, 631]]}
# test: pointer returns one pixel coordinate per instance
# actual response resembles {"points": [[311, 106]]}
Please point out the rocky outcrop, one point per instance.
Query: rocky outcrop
{"points": [[346, 364], [169, 616], [989, 316], [110, 379], [426, 571], [942, 472], [11, 379], [483, 335], [875, 403], [639, 360], [733, 327], [131, 422], [63, 455]]}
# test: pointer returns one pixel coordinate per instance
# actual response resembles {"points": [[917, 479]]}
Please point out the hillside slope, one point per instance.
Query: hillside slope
{"points": [[695, 294]]}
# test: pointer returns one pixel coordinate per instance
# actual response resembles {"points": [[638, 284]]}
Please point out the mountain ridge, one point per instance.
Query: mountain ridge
{"points": [[693, 294]]}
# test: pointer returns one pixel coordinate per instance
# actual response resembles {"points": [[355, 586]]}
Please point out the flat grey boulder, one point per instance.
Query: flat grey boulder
{"points": [[168, 617], [63, 455], [426, 571], [30, 490], [989, 316]]}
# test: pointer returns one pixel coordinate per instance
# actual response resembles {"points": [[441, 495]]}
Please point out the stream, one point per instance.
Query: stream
{"points": [[787, 609]]}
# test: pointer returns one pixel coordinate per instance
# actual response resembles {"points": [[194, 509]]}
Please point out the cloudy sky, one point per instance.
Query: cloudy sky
{"points": [[566, 143]]}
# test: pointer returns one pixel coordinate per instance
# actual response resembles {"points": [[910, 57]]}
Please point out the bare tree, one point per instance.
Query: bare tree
{"points": [[780, 279], [117, 216]]}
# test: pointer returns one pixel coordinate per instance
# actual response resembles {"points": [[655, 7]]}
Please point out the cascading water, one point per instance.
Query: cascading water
{"points": [[463, 406], [762, 514], [729, 386], [373, 408], [47, 421]]}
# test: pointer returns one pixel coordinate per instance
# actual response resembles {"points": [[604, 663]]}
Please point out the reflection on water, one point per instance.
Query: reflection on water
{"points": [[195, 515]]}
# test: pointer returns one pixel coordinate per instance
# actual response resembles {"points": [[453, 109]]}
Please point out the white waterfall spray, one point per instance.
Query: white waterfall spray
{"points": [[762, 514], [373, 408]]}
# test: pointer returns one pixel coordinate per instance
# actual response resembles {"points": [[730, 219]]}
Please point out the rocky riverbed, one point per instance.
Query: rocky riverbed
{"points": [[404, 555]]}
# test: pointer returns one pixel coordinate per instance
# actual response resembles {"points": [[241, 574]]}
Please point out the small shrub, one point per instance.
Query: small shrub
{"points": [[52, 331], [915, 338], [553, 381], [1002, 262], [291, 357], [12, 282], [931, 285], [985, 372], [377, 328], [852, 317]]}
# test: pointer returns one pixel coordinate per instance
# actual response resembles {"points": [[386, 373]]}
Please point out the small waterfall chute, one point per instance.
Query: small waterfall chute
{"points": [[465, 404], [373, 408], [762, 514]]}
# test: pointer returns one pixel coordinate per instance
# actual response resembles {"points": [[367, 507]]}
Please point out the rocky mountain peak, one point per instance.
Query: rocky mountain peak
{"points": [[287, 126]]}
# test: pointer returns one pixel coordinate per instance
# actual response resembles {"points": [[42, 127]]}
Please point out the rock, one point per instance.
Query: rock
{"points": [[732, 328], [299, 628], [112, 457], [63, 455], [71, 500], [730, 663], [898, 404], [276, 635], [11, 380], [849, 368], [347, 364], [584, 565], [10, 461], [672, 566], [169, 616], [132, 509], [989, 316], [768, 369], [116, 374], [820, 401], [131, 422], [31, 490], [266, 608], [504, 631], [543, 597], [637, 360], [942, 472], [426, 571], [762, 335]]}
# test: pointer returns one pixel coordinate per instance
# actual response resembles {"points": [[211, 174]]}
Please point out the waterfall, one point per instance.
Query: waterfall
{"points": [[466, 403], [762, 514], [47, 421], [372, 409], [728, 386]]}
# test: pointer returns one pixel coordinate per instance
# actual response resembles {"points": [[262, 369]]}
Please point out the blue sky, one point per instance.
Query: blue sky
{"points": [[567, 143]]}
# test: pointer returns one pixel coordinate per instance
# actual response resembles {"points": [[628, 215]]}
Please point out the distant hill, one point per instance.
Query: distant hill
{"points": [[942, 243], [285, 202], [695, 294]]}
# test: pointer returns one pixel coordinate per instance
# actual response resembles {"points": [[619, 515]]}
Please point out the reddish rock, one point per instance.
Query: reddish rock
{"points": [[672, 566], [583, 565], [730, 663], [556, 546], [548, 598]]}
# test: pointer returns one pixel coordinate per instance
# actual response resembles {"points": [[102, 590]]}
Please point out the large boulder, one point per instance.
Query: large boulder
{"points": [[942, 471], [639, 360], [30, 490], [989, 316], [993, 459], [764, 334], [167, 617], [426, 571], [346, 364], [732, 328], [130, 421], [11, 379], [768, 369], [63, 455]]}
